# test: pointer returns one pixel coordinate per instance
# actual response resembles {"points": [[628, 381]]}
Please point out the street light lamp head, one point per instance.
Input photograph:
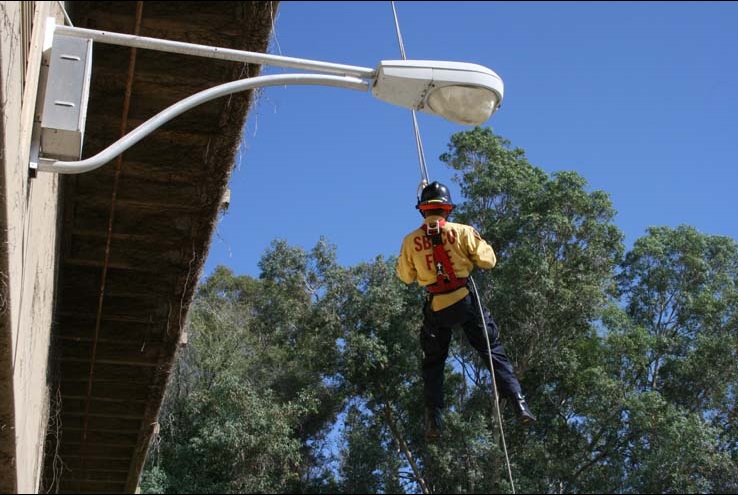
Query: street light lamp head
{"points": [[464, 93], [467, 105]]}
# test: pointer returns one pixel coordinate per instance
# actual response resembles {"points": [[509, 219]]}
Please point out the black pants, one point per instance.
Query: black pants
{"points": [[435, 337]]}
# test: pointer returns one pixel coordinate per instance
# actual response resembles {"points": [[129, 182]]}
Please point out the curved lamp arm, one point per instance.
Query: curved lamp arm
{"points": [[140, 132], [461, 92]]}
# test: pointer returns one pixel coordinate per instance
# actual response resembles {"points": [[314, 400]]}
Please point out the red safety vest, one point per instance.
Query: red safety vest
{"points": [[446, 280]]}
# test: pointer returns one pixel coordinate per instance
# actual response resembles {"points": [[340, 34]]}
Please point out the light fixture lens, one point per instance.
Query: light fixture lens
{"points": [[467, 105]]}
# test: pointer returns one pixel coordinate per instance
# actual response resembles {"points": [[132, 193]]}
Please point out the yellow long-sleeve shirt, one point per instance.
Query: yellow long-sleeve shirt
{"points": [[465, 248]]}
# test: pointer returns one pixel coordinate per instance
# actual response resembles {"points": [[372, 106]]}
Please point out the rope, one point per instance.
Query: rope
{"points": [[66, 15], [494, 383], [418, 142]]}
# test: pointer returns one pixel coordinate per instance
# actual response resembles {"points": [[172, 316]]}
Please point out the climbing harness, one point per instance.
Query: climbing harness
{"points": [[446, 280], [444, 269]]}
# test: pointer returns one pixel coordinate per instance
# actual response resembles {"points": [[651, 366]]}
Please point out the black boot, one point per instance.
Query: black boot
{"points": [[525, 417], [433, 424]]}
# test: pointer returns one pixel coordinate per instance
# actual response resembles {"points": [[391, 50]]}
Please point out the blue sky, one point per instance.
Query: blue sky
{"points": [[637, 97]]}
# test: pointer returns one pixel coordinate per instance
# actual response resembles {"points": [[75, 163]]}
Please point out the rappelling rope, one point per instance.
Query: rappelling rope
{"points": [[425, 181], [418, 142], [494, 383]]}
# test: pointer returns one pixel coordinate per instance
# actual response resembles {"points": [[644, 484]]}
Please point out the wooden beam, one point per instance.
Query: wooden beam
{"points": [[78, 371], [95, 423], [99, 264], [94, 451], [174, 209], [107, 390], [109, 317], [169, 172], [97, 463], [100, 438]]}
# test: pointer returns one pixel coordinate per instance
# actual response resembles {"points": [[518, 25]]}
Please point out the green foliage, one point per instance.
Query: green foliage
{"points": [[558, 250], [556, 243], [307, 379], [367, 464], [252, 388], [678, 338]]}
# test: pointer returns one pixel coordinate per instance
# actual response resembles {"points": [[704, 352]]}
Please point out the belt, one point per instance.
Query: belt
{"points": [[446, 287]]}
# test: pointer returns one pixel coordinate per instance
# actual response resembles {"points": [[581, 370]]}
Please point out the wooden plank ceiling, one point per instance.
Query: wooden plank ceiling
{"points": [[136, 232]]}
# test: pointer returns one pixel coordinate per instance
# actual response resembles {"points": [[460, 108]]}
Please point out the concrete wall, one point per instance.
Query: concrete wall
{"points": [[28, 252]]}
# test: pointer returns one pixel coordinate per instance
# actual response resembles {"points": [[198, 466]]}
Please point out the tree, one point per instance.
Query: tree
{"points": [[250, 394], [379, 366], [557, 250], [307, 379], [556, 243], [676, 342]]}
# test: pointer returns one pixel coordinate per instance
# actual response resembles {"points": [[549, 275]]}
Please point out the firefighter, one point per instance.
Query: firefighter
{"points": [[440, 255]]}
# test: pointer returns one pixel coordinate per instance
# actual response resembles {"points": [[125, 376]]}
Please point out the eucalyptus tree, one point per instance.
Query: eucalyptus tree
{"points": [[558, 248], [252, 397], [673, 344], [307, 379]]}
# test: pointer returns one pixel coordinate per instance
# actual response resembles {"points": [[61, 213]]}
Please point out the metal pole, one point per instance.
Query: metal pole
{"points": [[140, 132], [215, 52]]}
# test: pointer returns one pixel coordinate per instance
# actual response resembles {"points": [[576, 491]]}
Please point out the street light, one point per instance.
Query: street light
{"points": [[460, 92]]}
